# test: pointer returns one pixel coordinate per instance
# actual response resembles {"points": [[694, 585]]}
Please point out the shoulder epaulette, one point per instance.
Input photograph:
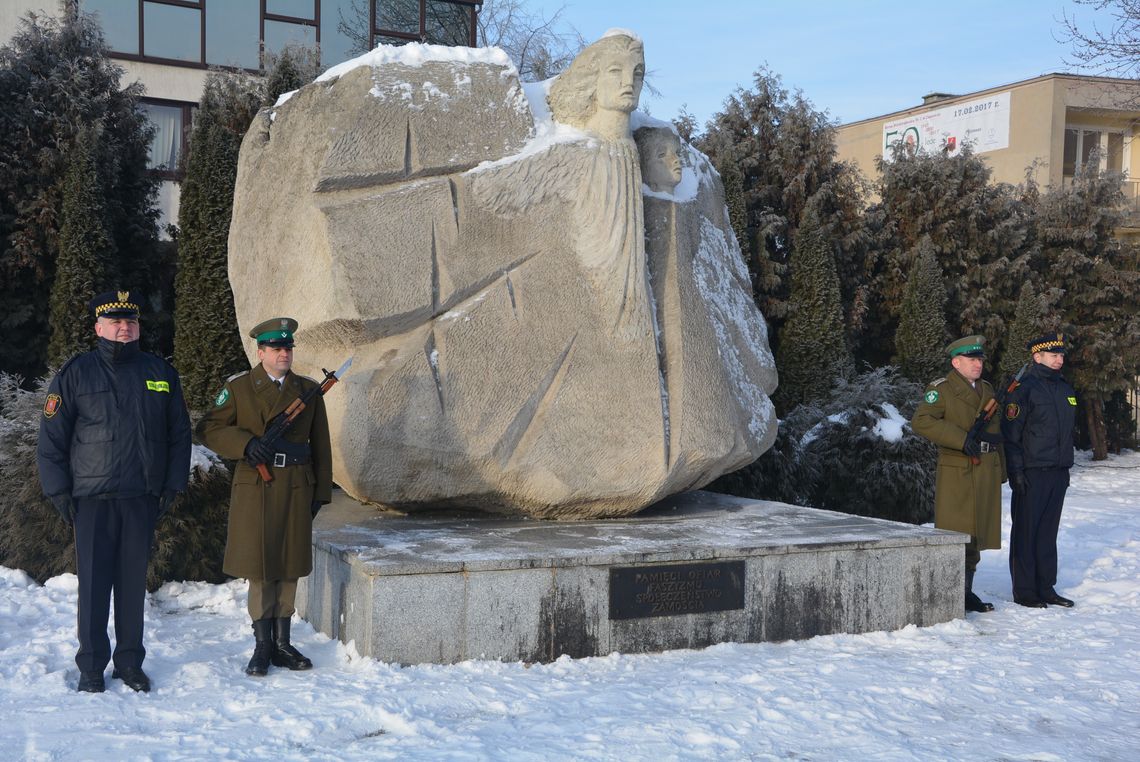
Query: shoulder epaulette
{"points": [[306, 378], [938, 381], [67, 363], [236, 375]]}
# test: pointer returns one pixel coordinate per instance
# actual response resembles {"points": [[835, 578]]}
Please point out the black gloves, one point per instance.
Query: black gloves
{"points": [[995, 438], [316, 507], [66, 507], [971, 447], [165, 501], [1018, 482], [257, 451]]}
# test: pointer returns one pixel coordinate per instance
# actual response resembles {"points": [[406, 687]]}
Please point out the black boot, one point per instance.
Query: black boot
{"points": [[285, 655], [262, 652], [973, 602]]}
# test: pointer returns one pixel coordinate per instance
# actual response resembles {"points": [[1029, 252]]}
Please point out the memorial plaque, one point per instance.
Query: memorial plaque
{"points": [[670, 590]]}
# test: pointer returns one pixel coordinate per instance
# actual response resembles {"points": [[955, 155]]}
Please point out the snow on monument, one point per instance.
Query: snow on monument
{"points": [[535, 329]]}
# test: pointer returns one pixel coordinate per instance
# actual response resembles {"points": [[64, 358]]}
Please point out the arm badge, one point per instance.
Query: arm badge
{"points": [[51, 405], [1012, 411]]}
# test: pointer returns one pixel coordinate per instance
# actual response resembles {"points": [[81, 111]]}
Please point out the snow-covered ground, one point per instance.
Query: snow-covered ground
{"points": [[1013, 684]]}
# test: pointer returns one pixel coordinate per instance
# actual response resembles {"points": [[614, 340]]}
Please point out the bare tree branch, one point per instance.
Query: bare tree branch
{"points": [[1113, 50]]}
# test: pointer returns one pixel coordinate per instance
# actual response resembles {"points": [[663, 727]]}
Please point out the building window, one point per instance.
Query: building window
{"points": [[1082, 144], [171, 121], [172, 32], [234, 33], [440, 22], [120, 23]]}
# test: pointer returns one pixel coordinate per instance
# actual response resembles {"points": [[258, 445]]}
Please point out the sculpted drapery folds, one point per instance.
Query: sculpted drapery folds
{"points": [[480, 247]]}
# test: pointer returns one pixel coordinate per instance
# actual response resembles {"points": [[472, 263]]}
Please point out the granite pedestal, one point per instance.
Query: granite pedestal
{"points": [[696, 569]]}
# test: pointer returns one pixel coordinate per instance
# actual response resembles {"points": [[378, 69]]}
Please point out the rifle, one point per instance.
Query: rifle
{"points": [[987, 412], [283, 420]]}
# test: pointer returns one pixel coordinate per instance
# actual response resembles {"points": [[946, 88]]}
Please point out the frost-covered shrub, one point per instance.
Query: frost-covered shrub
{"points": [[189, 540], [854, 453]]}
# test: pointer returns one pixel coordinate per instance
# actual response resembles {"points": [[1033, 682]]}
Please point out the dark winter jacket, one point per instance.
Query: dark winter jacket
{"points": [[114, 425], [1038, 421]]}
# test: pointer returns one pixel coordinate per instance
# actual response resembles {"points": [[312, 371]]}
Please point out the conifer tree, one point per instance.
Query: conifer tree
{"points": [[813, 351], [207, 346], [981, 232], [85, 251], [784, 153], [1028, 323], [207, 343], [921, 336], [56, 79], [1100, 290], [288, 70]]}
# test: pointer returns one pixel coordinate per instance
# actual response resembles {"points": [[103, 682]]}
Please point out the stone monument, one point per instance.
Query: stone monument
{"points": [[546, 316]]}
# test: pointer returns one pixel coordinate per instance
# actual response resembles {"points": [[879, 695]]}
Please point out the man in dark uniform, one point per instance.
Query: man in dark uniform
{"points": [[113, 451], [967, 491], [1038, 430], [270, 540]]}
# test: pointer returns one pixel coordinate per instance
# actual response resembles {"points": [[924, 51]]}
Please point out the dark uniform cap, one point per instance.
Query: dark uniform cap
{"points": [[1050, 342], [275, 332], [968, 346], [114, 304]]}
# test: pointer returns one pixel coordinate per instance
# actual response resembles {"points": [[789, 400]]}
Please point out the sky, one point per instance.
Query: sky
{"points": [[853, 58], [1016, 683]]}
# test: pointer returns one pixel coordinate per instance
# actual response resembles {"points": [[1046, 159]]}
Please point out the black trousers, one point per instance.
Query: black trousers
{"points": [[1033, 539], [112, 547]]}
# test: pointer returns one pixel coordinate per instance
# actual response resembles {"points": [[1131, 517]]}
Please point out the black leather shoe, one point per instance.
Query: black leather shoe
{"points": [[132, 677], [91, 682], [1032, 603], [1058, 600], [977, 605]]}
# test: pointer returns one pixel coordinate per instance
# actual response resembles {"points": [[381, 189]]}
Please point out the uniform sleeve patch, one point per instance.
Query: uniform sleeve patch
{"points": [[1073, 401], [931, 397], [1012, 411], [223, 395], [51, 405]]}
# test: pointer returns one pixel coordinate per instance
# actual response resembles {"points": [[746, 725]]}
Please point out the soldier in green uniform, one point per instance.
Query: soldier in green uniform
{"points": [[270, 526], [967, 491]]}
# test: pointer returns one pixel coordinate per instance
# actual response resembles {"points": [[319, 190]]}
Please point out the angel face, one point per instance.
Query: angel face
{"points": [[620, 77]]}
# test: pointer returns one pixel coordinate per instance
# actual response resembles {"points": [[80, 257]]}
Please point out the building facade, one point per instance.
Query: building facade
{"points": [[1050, 126], [170, 45]]}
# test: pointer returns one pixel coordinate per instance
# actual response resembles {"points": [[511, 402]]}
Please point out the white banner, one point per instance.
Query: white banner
{"points": [[983, 123]]}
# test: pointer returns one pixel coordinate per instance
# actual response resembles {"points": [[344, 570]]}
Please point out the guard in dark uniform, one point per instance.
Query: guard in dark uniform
{"points": [[967, 494], [270, 540], [113, 451], [1038, 430]]}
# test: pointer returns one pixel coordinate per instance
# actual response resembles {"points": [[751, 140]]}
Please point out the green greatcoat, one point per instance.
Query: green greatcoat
{"points": [[967, 498], [271, 527]]}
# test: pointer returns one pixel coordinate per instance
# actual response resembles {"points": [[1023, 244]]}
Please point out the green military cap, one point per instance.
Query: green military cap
{"points": [[968, 346], [275, 332]]}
